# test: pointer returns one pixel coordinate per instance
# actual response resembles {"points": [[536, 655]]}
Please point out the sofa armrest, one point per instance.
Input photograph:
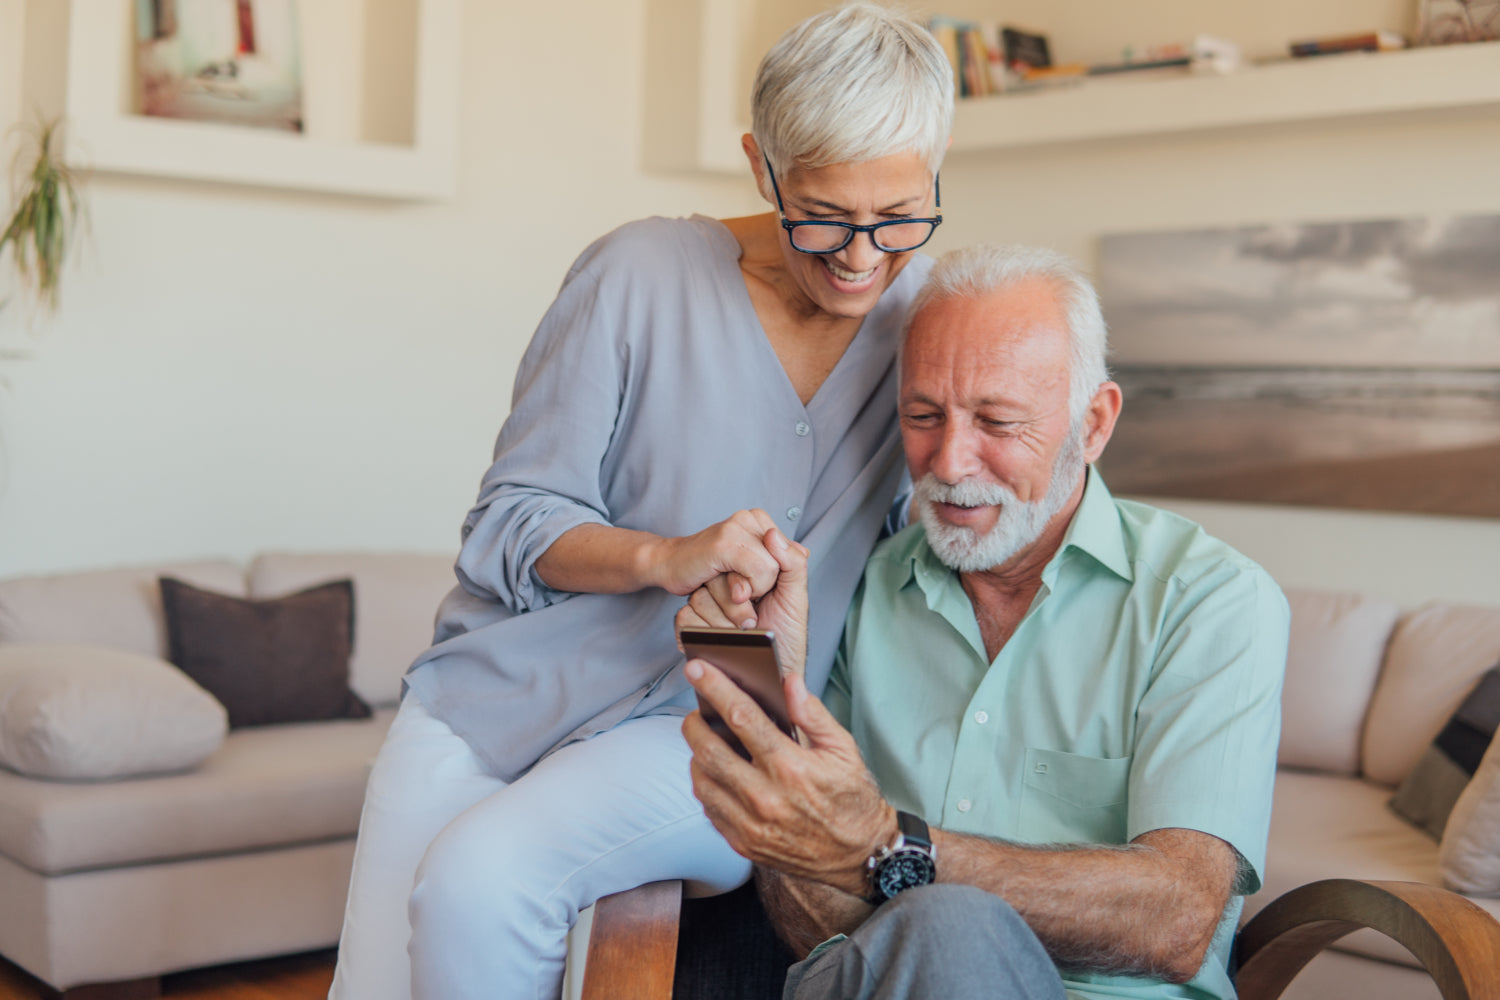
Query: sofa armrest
{"points": [[1456, 942]]}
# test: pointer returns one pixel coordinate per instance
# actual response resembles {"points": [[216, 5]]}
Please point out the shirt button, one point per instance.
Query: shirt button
{"points": [[803, 428], [792, 513], [981, 717], [964, 805]]}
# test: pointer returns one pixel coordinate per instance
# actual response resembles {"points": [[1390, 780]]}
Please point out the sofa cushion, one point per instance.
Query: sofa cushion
{"points": [[265, 787], [1325, 826], [1333, 660], [73, 712], [1435, 657], [120, 608], [397, 594], [1470, 850], [270, 661], [1427, 794]]}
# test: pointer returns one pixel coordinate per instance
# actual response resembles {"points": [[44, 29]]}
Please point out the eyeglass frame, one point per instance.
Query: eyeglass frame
{"points": [[850, 229]]}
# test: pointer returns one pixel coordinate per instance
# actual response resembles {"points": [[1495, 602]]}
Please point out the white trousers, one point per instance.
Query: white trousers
{"points": [[465, 886]]}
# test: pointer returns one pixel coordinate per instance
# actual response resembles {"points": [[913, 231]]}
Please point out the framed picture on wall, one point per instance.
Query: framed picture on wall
{"points": [[238, 62], [1330, 364], [397, 57]]}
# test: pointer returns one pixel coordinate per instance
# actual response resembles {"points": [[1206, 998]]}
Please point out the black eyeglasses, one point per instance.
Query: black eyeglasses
{"points": [[825, 236]]}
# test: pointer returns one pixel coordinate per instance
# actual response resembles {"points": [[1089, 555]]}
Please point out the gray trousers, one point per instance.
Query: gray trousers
{"points": [[937, 941]]}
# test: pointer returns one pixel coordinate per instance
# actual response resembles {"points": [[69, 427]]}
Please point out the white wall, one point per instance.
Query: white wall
{"points": [[236, 369]]}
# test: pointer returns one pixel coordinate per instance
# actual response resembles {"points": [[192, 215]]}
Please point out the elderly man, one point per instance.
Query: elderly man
{"points": [[1045, 763]]}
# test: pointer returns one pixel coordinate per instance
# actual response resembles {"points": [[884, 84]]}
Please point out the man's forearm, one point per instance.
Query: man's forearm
{"points": [[806, 913], [1148, 908]]}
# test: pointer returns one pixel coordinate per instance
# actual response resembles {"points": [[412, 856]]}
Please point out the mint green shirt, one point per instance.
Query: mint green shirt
{"points": [[1142, 690]]}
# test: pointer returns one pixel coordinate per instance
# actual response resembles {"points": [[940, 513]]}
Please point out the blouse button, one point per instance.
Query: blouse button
{"points": [[792, 513], [964, 805], [803, 428], [981, 717]]}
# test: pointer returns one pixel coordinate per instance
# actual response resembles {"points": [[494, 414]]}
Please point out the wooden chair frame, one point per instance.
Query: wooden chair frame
{"points": [[634, 941]]}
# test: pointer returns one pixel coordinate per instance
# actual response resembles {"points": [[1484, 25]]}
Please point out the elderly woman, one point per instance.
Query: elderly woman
{"points": [[699, 392]]}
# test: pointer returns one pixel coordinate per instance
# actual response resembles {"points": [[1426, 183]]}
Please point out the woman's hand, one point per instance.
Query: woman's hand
{"points": [[732, 552], [604, 559], [782, 610]]}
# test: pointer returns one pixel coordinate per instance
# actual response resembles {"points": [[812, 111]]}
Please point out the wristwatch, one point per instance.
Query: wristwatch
{"points": [[909, 862]]}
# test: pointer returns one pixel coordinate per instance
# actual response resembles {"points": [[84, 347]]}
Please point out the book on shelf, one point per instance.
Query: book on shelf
{"points": [[1175, 62], [1369, 41], [1025, 49], [1206, 54], [1058, 72], [946, 33], [973, 52]]}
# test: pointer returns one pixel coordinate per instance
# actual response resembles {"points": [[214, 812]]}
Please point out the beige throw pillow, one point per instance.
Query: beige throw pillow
{"points": [[1470, 851], [77, 712]]}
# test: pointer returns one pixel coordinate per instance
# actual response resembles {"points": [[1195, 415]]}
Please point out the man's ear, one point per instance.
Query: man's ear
{"points": [[757, 165], [1103, 411]]}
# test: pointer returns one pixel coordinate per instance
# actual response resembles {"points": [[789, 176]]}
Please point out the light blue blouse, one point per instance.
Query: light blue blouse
{"points": [[650, 398]]}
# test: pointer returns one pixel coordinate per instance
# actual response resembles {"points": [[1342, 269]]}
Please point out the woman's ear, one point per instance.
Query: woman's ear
{"points": [[757, 164]]}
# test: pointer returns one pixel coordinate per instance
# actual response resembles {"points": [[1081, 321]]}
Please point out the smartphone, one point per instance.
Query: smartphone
{"points": [[747, 657]]}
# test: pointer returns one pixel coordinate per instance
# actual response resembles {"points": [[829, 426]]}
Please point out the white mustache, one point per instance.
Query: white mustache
{"points": [[970, 493]]}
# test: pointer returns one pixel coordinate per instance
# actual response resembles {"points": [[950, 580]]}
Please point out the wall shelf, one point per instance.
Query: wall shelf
{"points": [[692, 106], [1320, 88]]}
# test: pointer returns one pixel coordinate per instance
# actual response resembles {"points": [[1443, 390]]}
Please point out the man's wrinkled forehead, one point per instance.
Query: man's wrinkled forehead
{"points": [[1022, 326]]}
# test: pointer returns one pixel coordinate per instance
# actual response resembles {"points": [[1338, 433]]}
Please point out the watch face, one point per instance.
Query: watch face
{"points": [[905, 869]]}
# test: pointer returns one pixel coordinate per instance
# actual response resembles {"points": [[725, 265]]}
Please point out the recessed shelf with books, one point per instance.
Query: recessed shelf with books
{"points": [[691, 107], [1325, 87]]}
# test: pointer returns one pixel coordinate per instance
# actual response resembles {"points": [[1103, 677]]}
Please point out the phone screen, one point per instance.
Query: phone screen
{"points": [[747, 657]]}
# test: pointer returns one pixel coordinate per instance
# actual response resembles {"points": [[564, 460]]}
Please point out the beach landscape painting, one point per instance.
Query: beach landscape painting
{"points": [[1352, 365]]}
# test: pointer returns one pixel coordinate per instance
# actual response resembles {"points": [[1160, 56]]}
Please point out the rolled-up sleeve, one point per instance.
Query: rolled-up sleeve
{"points": [[545, 479], [1209, 726]]}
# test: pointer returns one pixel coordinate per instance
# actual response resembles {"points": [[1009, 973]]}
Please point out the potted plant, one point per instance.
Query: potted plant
{"points": [[45, 217]]}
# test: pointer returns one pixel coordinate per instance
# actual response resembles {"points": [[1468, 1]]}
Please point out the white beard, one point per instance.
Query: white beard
{"points": [[1019, 525]]}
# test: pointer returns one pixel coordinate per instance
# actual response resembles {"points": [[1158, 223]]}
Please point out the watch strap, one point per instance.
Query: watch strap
{"points": [[913, 830]]}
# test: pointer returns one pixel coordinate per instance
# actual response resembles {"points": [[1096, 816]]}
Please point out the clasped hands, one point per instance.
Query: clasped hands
{"points": [[810, 810]]}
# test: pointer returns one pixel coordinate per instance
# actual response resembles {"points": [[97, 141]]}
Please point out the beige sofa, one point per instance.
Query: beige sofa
{"points": [[1367, 689], [248, 854], [245, 855]]}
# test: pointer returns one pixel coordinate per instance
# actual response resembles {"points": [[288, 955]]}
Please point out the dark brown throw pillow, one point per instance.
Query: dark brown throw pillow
{"points": [[1442, 773], [282, 660]]}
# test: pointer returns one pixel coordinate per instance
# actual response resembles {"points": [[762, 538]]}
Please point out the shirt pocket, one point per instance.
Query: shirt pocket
{"points": [[1070, 799]]}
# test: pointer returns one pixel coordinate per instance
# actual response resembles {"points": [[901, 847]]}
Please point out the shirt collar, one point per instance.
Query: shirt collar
{"points": [[1094, 530]]}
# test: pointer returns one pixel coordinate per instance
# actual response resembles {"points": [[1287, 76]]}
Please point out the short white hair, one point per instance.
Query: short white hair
{"points": [[986, 268], [852, 84]]}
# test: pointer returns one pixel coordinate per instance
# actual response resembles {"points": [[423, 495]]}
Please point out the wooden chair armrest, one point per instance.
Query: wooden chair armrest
{"points": [[633, 945], [1457, 942]]}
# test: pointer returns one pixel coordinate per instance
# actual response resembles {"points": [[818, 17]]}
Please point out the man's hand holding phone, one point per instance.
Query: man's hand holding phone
{"points": [[747, 657]]}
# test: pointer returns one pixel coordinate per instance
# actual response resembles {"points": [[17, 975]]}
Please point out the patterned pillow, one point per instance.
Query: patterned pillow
{"points": [[1470, 854], [1427, 796]]}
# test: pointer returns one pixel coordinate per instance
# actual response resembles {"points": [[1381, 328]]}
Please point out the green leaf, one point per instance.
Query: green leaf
{"points": [[47, 209]]}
